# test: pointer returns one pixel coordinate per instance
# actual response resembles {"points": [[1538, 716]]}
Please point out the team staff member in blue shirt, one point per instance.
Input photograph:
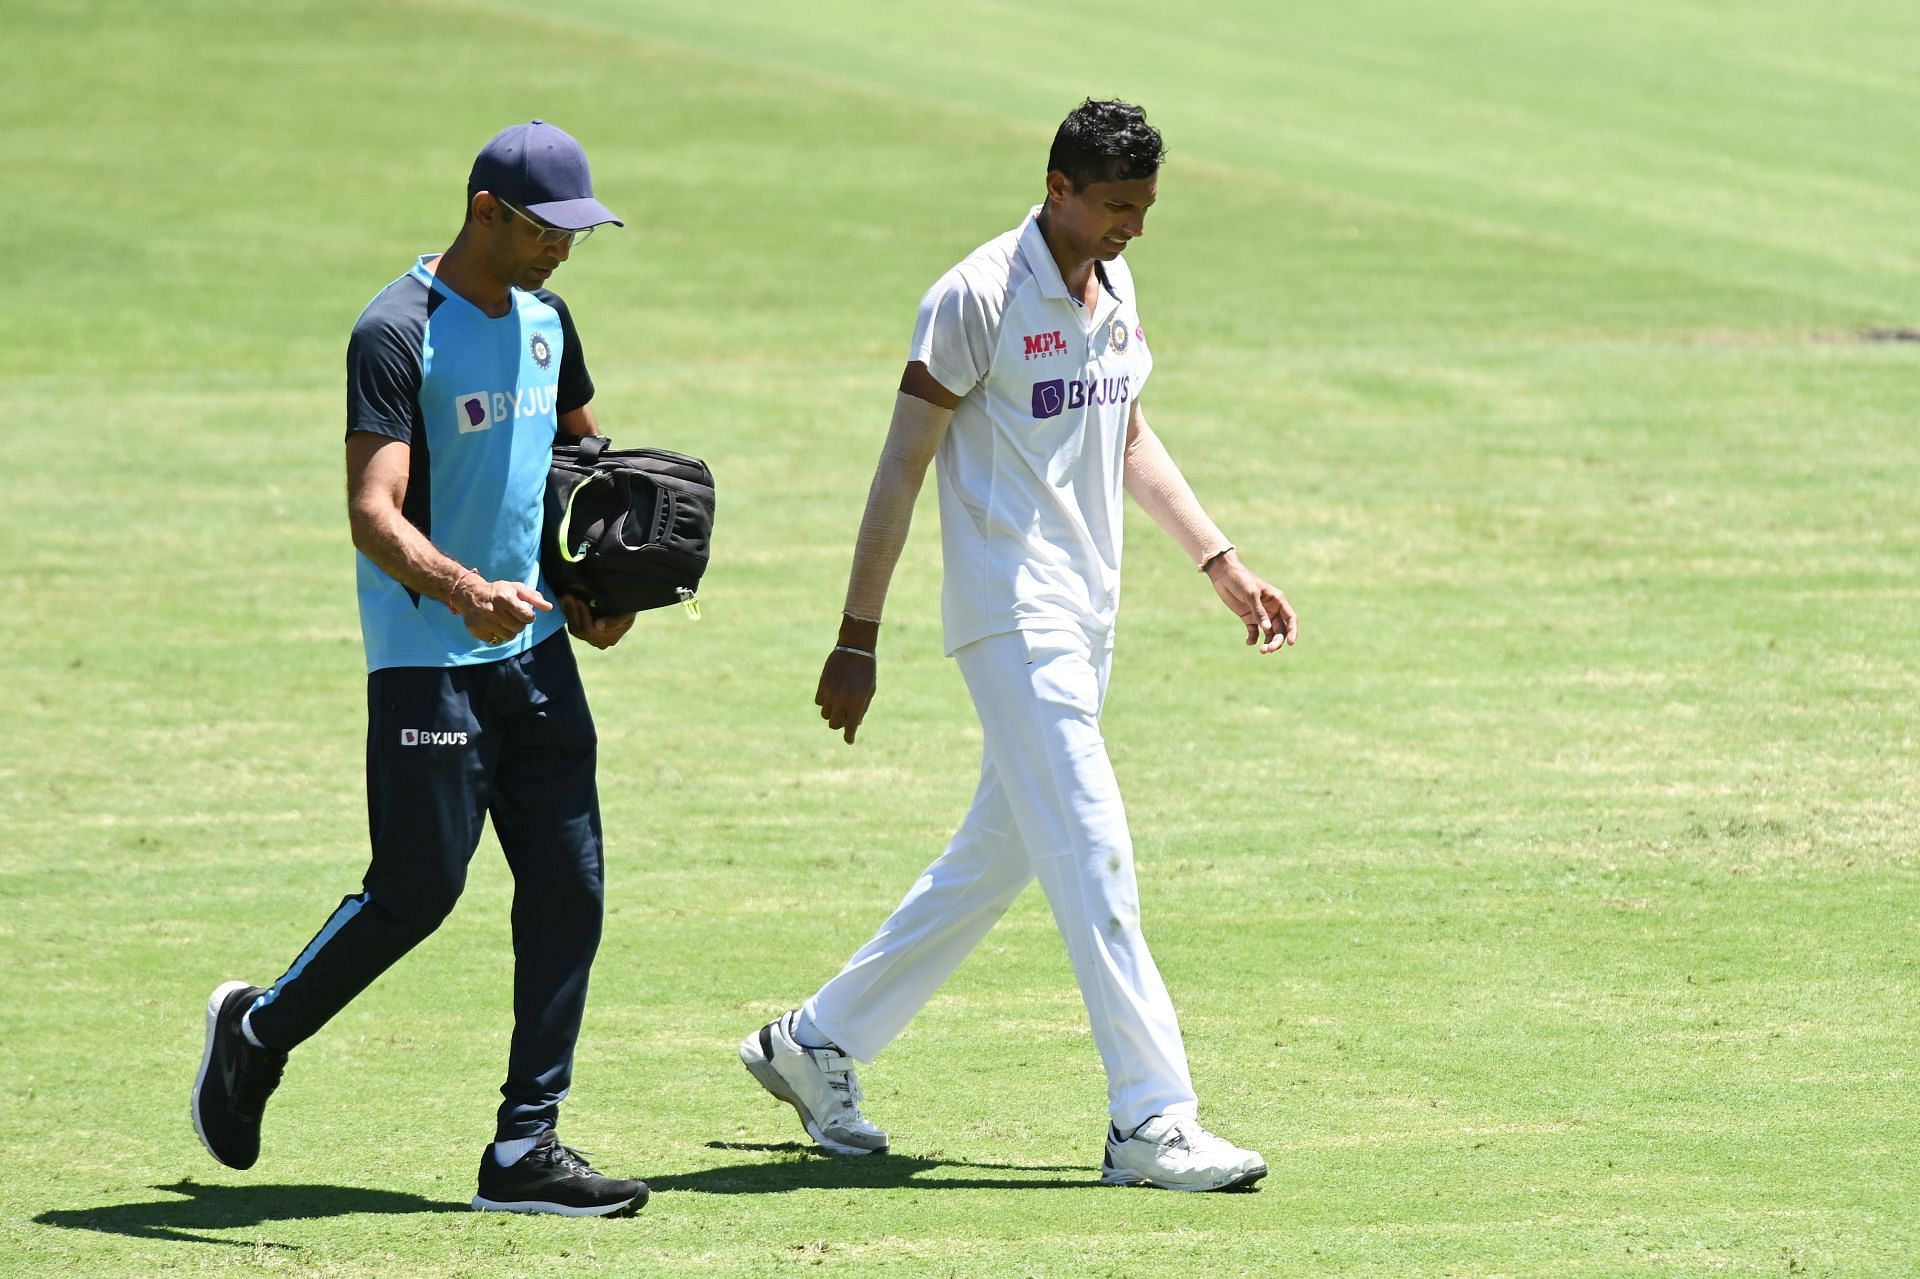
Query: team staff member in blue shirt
{"points": [[459, 375]]}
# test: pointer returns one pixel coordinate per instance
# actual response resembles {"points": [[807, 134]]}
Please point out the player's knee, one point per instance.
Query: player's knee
{"points": [[574, 902], [580, 900], [419, 911]]}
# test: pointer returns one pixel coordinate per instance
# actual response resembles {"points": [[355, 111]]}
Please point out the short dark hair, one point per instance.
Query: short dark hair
{"points": [[1106, 141]]}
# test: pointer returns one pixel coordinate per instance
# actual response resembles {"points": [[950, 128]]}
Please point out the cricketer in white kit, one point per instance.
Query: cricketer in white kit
{"points": [[1024, 380]]}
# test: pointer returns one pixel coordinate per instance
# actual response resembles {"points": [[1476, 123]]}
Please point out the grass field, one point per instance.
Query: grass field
{"points": [[1554, 909]]}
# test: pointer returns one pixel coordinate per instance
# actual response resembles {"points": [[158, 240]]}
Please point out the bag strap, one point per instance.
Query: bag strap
{"points": [[591, 447], [561, 534]]}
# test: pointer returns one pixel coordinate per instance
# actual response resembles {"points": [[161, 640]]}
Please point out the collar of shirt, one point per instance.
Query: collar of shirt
{"points": [[1033, 247]]}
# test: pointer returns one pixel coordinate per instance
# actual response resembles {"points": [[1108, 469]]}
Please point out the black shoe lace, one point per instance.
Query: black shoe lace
{"points": [[255, 1079], [569, 1160]]}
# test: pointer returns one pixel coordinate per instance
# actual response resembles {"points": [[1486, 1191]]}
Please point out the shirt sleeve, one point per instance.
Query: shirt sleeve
{"points": [[576, 384], [383, 380], [954, 333]]}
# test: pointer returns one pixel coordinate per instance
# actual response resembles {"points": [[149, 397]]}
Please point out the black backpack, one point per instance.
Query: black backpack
{"points": [[626, 529]]}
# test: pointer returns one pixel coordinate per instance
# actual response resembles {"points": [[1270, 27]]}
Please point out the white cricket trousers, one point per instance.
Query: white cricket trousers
{"points": [[1048, 807]]}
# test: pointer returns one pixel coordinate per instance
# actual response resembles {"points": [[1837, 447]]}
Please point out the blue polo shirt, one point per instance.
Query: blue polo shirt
{"points": [[477, 399]]}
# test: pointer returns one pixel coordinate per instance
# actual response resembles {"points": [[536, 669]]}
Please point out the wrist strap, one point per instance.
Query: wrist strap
{"points": [[857, 652], [1207, 563], [455, 588]]}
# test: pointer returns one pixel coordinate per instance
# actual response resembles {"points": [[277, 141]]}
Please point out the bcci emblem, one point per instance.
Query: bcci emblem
{"points": [[1117, 336], [542, 353]]}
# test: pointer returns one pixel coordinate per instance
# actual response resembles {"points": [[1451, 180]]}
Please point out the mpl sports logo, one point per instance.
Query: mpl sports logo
{"points": [[478, 410], [430, 737], [1041, 346], [1050, 399]]}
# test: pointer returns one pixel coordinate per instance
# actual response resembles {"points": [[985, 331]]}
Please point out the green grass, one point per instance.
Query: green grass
{"points": [[1552, 910]]}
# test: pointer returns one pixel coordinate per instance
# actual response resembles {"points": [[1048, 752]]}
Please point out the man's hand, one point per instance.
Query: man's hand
{"points": [[601, 632], [1262, 607], [849, 677], [847, 682], [495, 612]]}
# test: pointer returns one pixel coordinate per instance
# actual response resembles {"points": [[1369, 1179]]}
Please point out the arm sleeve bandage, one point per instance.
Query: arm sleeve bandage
{"points": [[912, 439], [1163, 493]]}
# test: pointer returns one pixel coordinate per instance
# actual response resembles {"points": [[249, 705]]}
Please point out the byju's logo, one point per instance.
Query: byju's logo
{"points": [[1049, 398], [1042, 345], [478, 410], [474, 411], [427, 737]]}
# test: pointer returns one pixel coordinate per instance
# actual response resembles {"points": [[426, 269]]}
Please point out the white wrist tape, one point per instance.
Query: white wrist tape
{"points": [[913, 438], [1156, 484]]}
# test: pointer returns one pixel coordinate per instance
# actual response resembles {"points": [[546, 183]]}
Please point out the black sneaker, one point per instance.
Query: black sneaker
{"points": [[552, 1178], [235, 1079]]}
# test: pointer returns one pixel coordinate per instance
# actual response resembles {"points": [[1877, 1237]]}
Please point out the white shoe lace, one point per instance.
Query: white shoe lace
{"points": [[1188, 1135], [841, 1079], [1205, 1145], [835, 1069]]}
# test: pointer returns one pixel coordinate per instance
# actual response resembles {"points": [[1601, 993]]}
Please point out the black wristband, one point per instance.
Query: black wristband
{"points": [[1208, 562]]}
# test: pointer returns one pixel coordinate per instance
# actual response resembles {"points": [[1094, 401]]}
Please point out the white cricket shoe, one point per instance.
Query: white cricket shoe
{"points": [[817, 1082], [1173, 1152]]}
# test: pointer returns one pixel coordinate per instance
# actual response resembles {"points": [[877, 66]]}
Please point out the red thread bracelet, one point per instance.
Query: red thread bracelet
{"points": [[455, 588]]}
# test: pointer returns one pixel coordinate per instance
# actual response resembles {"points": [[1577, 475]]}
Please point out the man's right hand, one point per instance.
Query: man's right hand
{"points": [[495, 612], [849, 677], [847, 682]]}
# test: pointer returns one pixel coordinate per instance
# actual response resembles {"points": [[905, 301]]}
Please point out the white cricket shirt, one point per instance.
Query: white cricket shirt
{"points": [[1030, 471]]}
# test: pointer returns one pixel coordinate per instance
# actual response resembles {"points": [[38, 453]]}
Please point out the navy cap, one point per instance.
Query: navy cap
{"points": [[541, 170]]}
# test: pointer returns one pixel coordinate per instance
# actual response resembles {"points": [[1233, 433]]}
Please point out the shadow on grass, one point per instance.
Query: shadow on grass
{"points": [[225, 1207], [809, 1169], [806, 1168]]}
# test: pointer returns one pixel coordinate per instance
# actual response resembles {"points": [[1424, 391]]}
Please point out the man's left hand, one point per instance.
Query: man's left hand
{"points": [[601, 632], [1261, 606]]}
